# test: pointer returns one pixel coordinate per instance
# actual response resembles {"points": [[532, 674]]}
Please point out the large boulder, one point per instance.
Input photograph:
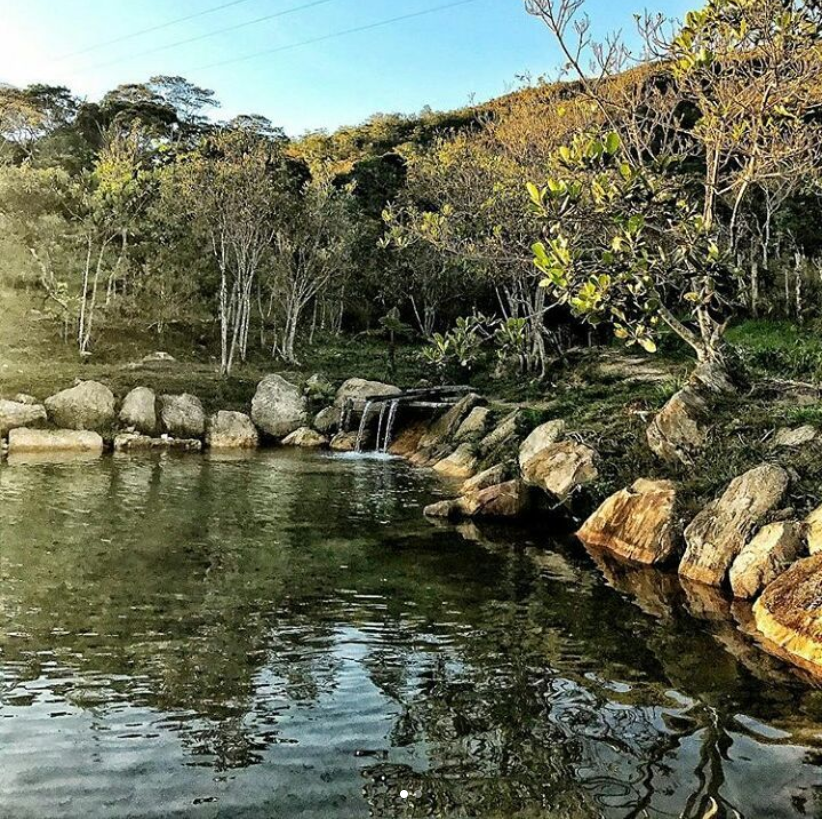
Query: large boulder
{"points": [[14, 414], [679, 430], [637, 524], [306, 438], [279, 407], [789, 613], [232, 430], [543, 436], [462, 463], [475, 427], [720, 531], [139, 411], [360, 390], [773, 550], [87, 406], [182, 416], [562, 469], [54, 440]]}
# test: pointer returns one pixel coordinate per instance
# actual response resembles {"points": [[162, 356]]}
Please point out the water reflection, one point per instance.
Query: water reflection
{"points": [[286, 635]]}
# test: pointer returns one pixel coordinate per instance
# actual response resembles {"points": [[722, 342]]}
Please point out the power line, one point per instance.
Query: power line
{"points": [[160, 27], [208, 34], [335, 35]]}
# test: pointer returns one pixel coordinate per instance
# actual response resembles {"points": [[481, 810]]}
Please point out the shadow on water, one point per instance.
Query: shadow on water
{"points": [[284, 634]]}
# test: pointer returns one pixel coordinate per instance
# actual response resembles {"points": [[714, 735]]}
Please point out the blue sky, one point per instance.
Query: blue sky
{"points": [[443, 59]]}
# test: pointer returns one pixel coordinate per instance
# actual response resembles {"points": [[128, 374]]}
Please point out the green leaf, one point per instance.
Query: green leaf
{"points": [[612, 143], [535, 193]]}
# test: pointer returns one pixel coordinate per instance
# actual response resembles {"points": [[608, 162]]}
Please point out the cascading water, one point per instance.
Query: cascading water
{"points": [[363, 425], [389, 429], [383, 409]]}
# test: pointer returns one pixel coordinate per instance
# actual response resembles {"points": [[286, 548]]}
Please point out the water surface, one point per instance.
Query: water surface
{"points": [[285, 636]]}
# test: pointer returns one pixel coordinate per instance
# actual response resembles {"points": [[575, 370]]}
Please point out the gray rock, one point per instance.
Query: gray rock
{"points": [[794, 438], [721, 530], [87, 406], [279, 407], [25, 398], [679, 430], [344, 442], [139, 411], [360, 390], [443, 430], [462, 463], [543, 436], [14, 415], [475, 427], [306, 438], [327, 421], [490, 477], [182, 416], [231, 430], [319, 388], [134, 442]]}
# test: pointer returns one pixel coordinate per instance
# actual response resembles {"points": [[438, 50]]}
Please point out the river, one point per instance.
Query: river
{"points": [[285, 635]]}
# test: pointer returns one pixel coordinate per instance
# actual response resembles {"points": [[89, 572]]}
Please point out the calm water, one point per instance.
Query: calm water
{"points": [[285, 636]]}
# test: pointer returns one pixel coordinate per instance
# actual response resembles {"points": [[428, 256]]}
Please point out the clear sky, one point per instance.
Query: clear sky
{"points": [[442, 59]]}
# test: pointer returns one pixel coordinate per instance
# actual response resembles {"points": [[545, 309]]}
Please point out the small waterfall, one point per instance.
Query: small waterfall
{"points": [[389, 429], [363, 425], [383, 409]]}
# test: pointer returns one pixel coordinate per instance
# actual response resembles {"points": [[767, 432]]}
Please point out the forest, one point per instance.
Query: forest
{"points": [[665, 187]]}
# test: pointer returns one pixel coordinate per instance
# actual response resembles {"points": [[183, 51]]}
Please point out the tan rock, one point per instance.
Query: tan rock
{"points": [[445, 428], [787, 438], [770, 552], [720, 531], [474, 427], [490, 477], [15, 414], [135, 442], [504, 500], [679, 429], [543, 436], [25, 398], [503, 434], [360, 390], [344, 442], [637, 524], [232, 430], [562, 469], [459, 464], [813, 530], [306, 438], [59, 440], [789, 614], [443, 509]]}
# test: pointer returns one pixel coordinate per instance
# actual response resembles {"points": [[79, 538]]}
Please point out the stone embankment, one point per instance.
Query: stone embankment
{"points": [[748, 541]]}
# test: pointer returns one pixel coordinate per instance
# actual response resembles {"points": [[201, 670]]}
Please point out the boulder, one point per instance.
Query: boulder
{"points": [[59, 440], [562, 469], [490, 477], [462, 463], [344, 442], [87, 406], [543, 436], [14, 414], [475, 427], [231, 430], [182, 416], [787, 438], [306, 438], [637, 524], [135, 442], [279, 407], [504, 435], [504, 500], [789, 614], [720, 531], [774, 549], [358, 389], [327, 421], [445, 428], [139, 411], [443, 509], [813, 529], [679, 429]]}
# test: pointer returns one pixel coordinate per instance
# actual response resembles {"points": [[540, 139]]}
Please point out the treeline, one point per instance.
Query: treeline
{"points": [[664, 191]]}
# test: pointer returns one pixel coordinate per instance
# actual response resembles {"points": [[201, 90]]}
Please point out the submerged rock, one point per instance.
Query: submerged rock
{"points": [[182, 416], [720, 531], [139, 411], [774, 549], [279, 407], [505, 500], [637, 524], [562, 469], [789, 613], [232, 430], [54, 440], [679, 430], [306, 438], [15, 414], [462, 463], [543, 436], [87, 406], [135, 442]]}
